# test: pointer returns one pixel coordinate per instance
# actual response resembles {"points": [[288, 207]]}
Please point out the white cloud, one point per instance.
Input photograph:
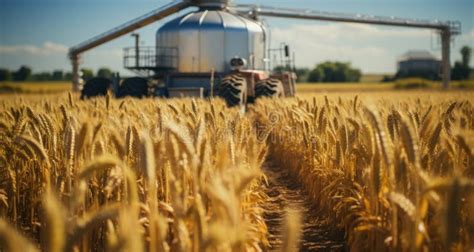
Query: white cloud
{"points": [[47, 48], [112, 52], [51, 55], [337, 32], [371, 48], [104, 57], [467, 38]]}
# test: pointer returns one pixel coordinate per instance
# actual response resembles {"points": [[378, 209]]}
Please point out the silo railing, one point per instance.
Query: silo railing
{"points": [[150, 58]]}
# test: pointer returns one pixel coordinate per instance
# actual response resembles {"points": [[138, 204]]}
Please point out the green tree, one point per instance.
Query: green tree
{"points": [[68, 76], [87, 74], [461, 69], [43, 76], [5, 74], [58, 75], [22, 74], [316, 75], [466, 53], [334, 72], [104, 72], [302, 73], [353, 75]]}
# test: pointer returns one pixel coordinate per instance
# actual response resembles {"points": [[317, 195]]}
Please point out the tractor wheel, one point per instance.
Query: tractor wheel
{"points": [[233, 89], [95, 87], [269, 88], [134, 87]]}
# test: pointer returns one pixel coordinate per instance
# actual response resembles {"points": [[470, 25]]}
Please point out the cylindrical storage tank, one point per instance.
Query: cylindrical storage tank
{"points": [[208, 39]]}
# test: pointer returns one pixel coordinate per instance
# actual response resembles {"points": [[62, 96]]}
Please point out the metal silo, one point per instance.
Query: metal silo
{"points": [[208, 39]]}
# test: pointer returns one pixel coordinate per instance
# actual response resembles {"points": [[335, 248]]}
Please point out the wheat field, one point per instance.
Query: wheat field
{"points": [[393, 171]]}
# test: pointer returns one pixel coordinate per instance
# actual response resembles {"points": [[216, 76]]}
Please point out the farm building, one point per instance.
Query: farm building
{"points": [[419, 64]]}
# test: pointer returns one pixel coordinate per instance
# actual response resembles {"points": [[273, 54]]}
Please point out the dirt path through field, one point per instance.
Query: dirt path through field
{"points": [[283, 192]]}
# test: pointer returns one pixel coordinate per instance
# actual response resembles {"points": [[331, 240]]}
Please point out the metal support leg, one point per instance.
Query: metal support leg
{"points": [[76, 79], [446, 64], [137, 49]]}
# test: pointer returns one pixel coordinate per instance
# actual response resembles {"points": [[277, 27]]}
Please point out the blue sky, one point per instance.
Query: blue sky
{"points": [[38, 32]]}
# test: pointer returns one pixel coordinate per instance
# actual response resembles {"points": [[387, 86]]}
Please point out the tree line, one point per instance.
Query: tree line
{"points": [[461, 69], [329, 71], [25, 73]]}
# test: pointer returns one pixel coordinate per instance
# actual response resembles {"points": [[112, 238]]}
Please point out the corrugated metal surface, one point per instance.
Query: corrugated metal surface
{"points": [[209, 39]]}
